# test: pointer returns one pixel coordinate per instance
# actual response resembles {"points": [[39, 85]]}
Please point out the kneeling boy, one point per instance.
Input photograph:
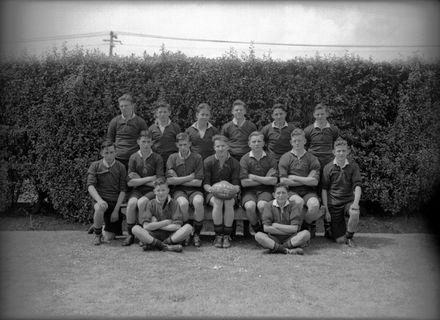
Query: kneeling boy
{"points": [[106, 183], [281, 224], [341, 192], [162, 225]]}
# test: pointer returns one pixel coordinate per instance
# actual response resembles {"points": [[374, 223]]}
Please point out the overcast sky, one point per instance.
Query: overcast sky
{"points": [[294, 22]]}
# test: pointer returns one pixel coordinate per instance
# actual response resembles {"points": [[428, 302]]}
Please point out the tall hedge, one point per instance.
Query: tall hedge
{"points": [[57, 110]]}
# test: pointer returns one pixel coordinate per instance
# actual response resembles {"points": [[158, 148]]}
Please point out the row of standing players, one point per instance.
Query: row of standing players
{"points": [[280, 180]]}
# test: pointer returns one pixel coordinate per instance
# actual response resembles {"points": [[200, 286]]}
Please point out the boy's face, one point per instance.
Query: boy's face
{"points": [[238, 112], [161, 191], [203, 115], [340, 153], [126, 108], [220, 147], [320, 115], [298, 142], [279, 116], [109, 154], [256, 143], [281, 194], [145, 143], [163, 113], [183, 146]]}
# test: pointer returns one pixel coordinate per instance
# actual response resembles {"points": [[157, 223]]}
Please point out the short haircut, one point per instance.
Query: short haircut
{"points": [[203, 106], [255, 134], [279, 106], [297, 132], [340, 142], [126, 97], [183, 136], [145, 134], [107, 144], [320, 106], [160, 181], [280, 185], [220, 137], [238, 102], [161, 104]]}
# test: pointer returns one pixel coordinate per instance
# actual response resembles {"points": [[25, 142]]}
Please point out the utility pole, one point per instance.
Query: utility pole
{"points": [[112, 41]]}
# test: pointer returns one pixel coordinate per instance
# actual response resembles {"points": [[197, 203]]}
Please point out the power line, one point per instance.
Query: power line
{"points": [[143, 35], [62, 37]]}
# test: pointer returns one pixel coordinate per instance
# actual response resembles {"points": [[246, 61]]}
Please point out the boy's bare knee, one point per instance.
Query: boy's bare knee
{"points": [[250, 205], [260, 236]]}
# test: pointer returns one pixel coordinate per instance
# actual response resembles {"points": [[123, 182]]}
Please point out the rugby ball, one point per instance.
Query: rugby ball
{"points": [[223, 190]]}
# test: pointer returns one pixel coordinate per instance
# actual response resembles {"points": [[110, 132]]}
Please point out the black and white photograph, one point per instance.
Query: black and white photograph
{"points": [[219, 159]]}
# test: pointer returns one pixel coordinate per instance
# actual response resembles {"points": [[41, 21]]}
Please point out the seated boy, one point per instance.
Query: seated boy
{"points": [[144, 167], [341, 192], [106, 184], [221, 166], [277, 133], [163, 131], [238, 130], [258, 174], [162, 224], [185, 174], [281, 223], [299, 169]]}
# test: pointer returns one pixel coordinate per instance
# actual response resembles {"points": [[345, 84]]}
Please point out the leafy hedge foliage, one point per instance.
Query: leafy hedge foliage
{"points": [[57, 111]]}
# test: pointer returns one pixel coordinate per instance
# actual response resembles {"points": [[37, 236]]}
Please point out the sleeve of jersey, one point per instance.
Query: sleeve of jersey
{"points": [[122, 179], [267, 218], [177, 215], [314, 165], [326, 177], [159, 166], [356, 178], [235, 172], [170, 164], [111, 131], [199, 168], [207, 171], [283, 166], [91, 175], [244, 172], [274, 165], [145, 216], [131, 167]]}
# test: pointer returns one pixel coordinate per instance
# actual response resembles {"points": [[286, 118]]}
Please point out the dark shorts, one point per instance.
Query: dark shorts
{"points": [[113, 227], [338, 224], [256, 196], [305, 196], [136, 193], [161, 235], [187, 194], [284, 240]]}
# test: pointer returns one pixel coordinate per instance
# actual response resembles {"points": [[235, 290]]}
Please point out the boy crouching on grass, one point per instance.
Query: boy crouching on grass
{"points": [[106, 183], [341, 192], [281, 223], [162, 224]]}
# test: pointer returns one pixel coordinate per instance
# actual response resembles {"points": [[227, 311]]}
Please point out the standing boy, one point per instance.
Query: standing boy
{"points": [[281, 224], [106, 184], [218, 167], [320, 137], [162, 225], [238, 130], [163, 131], [185, 174], [144, 167], [299, 170], [277, 133], [341, 192], [124, 129], [258, 174], [202, 131]]}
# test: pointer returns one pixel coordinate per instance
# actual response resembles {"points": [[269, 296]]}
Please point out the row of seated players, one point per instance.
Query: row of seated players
{"points": [[156, 219]]}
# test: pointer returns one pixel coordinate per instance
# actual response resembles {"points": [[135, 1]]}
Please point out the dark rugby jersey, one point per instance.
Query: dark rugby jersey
{"points": [[109, 182], [250, 165], [238, 137]]}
